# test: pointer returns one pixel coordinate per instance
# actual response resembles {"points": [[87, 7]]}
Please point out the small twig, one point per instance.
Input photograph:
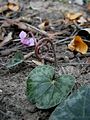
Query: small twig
{"points": [[3, 113], [8, 51], [28, 27], [28, 55], [48, 59], [63, 40], [38, 30], [74, 64]]}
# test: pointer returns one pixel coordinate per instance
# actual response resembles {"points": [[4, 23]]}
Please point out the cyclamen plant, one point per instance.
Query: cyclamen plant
{"points": [[46, 91]]}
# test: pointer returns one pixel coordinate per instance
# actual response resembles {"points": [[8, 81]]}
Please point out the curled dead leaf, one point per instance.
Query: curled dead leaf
{"points": [[3, 8], [82, 20], [77, 44], [85, 34], [44, 25], [7, 39], [87, 29], [13, 6], [88, 7], [73, 16]]}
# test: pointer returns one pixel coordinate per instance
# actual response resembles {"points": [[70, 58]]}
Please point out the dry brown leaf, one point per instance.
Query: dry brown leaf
{"points": [[44, 25], [73, 16], [3, 8], [13, 7], [82, 20], [85, 34], [1, 34], [77, 44], [11, 4], [88, 60], [88, 7], [6, 39], [88, 19], [87, 29]]}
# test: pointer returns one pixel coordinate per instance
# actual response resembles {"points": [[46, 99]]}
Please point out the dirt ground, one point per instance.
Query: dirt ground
{"points": [[13, 101]]}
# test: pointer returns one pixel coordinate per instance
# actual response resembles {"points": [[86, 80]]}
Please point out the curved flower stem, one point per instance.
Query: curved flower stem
{"points": [[44, 42]]}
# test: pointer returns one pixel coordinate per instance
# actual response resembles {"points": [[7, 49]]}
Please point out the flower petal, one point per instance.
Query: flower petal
{"points": [[22, 34], [32, 41], [28, 41], [25, 41]]}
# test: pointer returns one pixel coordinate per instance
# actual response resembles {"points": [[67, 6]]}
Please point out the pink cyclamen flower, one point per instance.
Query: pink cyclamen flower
{"points": [[26, 40]]}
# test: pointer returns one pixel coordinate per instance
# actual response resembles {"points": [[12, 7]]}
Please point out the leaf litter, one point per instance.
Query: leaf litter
{"points": [[52, 31]]}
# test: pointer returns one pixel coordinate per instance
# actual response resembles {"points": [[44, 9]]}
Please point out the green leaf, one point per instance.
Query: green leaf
{"points": [[45, 90], [76, 107], [17, 59]]}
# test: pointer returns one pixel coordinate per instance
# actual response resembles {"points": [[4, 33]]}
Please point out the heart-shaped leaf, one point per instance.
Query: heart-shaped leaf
{"points": [[45, 90], [17, 59], [76, 107]]}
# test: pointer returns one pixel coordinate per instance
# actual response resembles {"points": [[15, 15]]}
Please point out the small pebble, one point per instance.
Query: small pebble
{"points": [[0, 91], [66, 59]]}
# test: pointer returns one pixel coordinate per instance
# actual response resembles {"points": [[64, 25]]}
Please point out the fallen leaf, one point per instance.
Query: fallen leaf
{"points": [[88, 60], [88, 7], [44, 25], [85, 34], [3, 7], [1, 34], [77, 44], [87, 29], [79, 2], [6, 39], [88, 19], [73, 16], [13, 5], [81, 20]]}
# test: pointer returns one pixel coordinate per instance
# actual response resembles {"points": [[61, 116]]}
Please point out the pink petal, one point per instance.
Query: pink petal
{"points": [[25, 41], [28, 42], [22, 34], [32, 41]]}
